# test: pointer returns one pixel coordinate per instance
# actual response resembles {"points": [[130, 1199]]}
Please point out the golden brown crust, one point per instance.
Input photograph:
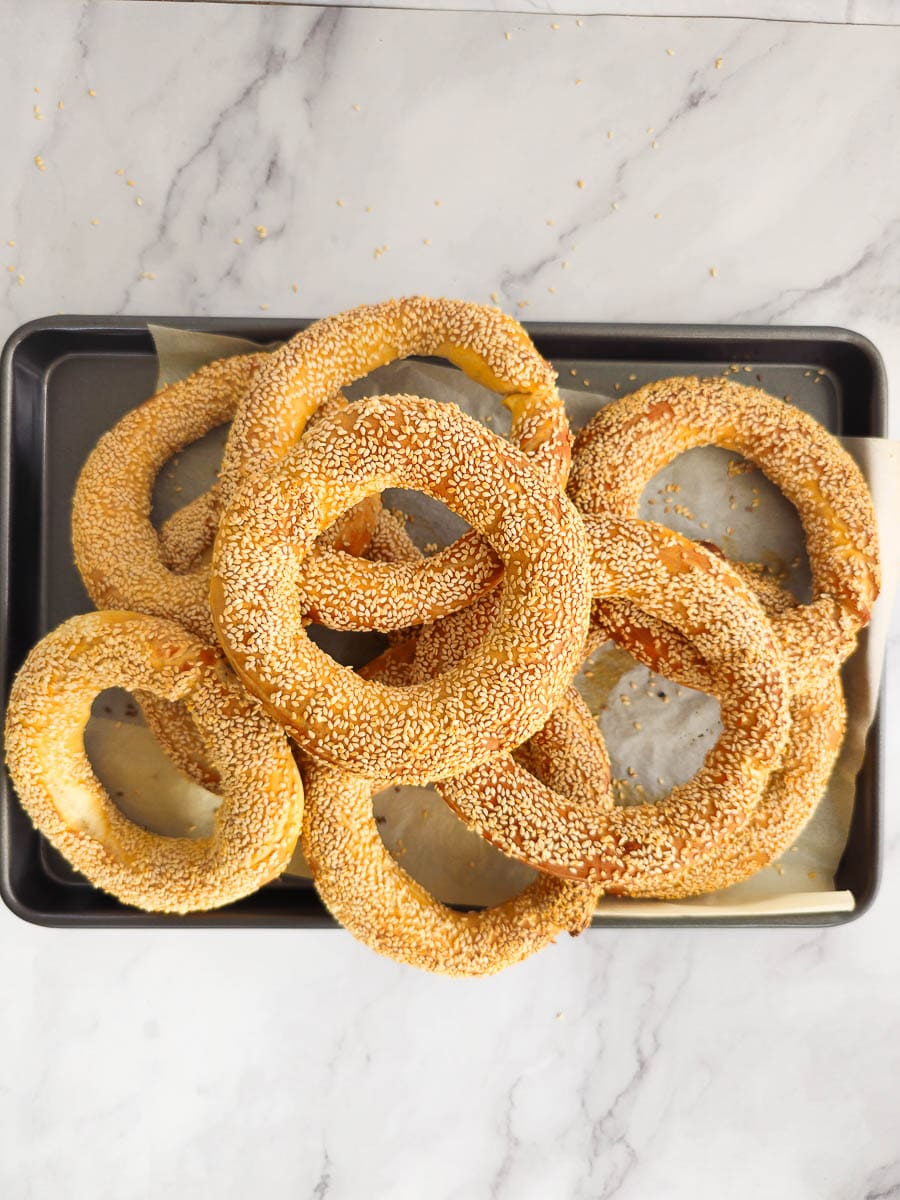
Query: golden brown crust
{"points": [[117, 549], [490, 348], [794, 789], [492, 701], [383, 907], [696, 591], [259, 819], [817, 721], [649, 428]]}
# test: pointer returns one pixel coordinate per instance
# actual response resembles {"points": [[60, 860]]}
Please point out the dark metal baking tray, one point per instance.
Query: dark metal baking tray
{"points": [[63, 381]]}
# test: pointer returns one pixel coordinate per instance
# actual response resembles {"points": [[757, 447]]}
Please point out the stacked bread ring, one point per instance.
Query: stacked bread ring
{"points": [[474, 693]]}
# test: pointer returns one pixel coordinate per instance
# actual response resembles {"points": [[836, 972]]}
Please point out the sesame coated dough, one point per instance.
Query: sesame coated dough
{"points": [[371, 895], [696, 591], [258, 821], [490, 347], [653, 425], [117, 549], [124, 562], [493, 700], [818, 717]]}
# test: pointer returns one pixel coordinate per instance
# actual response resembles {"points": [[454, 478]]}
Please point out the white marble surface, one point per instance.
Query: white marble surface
{"points": [[627, 1064], [854, 12]]}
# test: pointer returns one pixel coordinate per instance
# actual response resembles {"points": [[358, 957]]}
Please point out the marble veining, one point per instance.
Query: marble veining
{"points": [[291, 161]]}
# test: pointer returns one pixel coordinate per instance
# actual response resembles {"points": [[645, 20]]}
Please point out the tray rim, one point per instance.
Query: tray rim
{"points": [[265, 329]]}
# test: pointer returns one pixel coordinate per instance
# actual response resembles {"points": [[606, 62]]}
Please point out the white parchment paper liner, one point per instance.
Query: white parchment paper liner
{"points": [[657, 733]]}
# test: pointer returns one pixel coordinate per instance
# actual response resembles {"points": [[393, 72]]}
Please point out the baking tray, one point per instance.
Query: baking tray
{"points": [[63, 381]]}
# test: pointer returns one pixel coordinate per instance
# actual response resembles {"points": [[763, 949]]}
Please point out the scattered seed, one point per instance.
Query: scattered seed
{"points": [[138, 201], [20, 279], [357, 108], [91, 92], [238, 241], [508, 36], [95, 220], [714, 271], [39, 163], [657, 216], [339, 203], [654, 145], [426, 241], [581, 183], [671, 53], [719, 62], [261, 232]]}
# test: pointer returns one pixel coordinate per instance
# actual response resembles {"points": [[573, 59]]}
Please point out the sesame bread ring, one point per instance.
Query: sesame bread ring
{"points": [[649, 428], [493, 700], [259, 819], [818, 721], [818, 717], [490, 347], [117, 549], [364, 888], [696, 591]]}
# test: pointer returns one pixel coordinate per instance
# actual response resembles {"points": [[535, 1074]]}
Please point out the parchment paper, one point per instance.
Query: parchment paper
{"points": [[657, 732]]}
